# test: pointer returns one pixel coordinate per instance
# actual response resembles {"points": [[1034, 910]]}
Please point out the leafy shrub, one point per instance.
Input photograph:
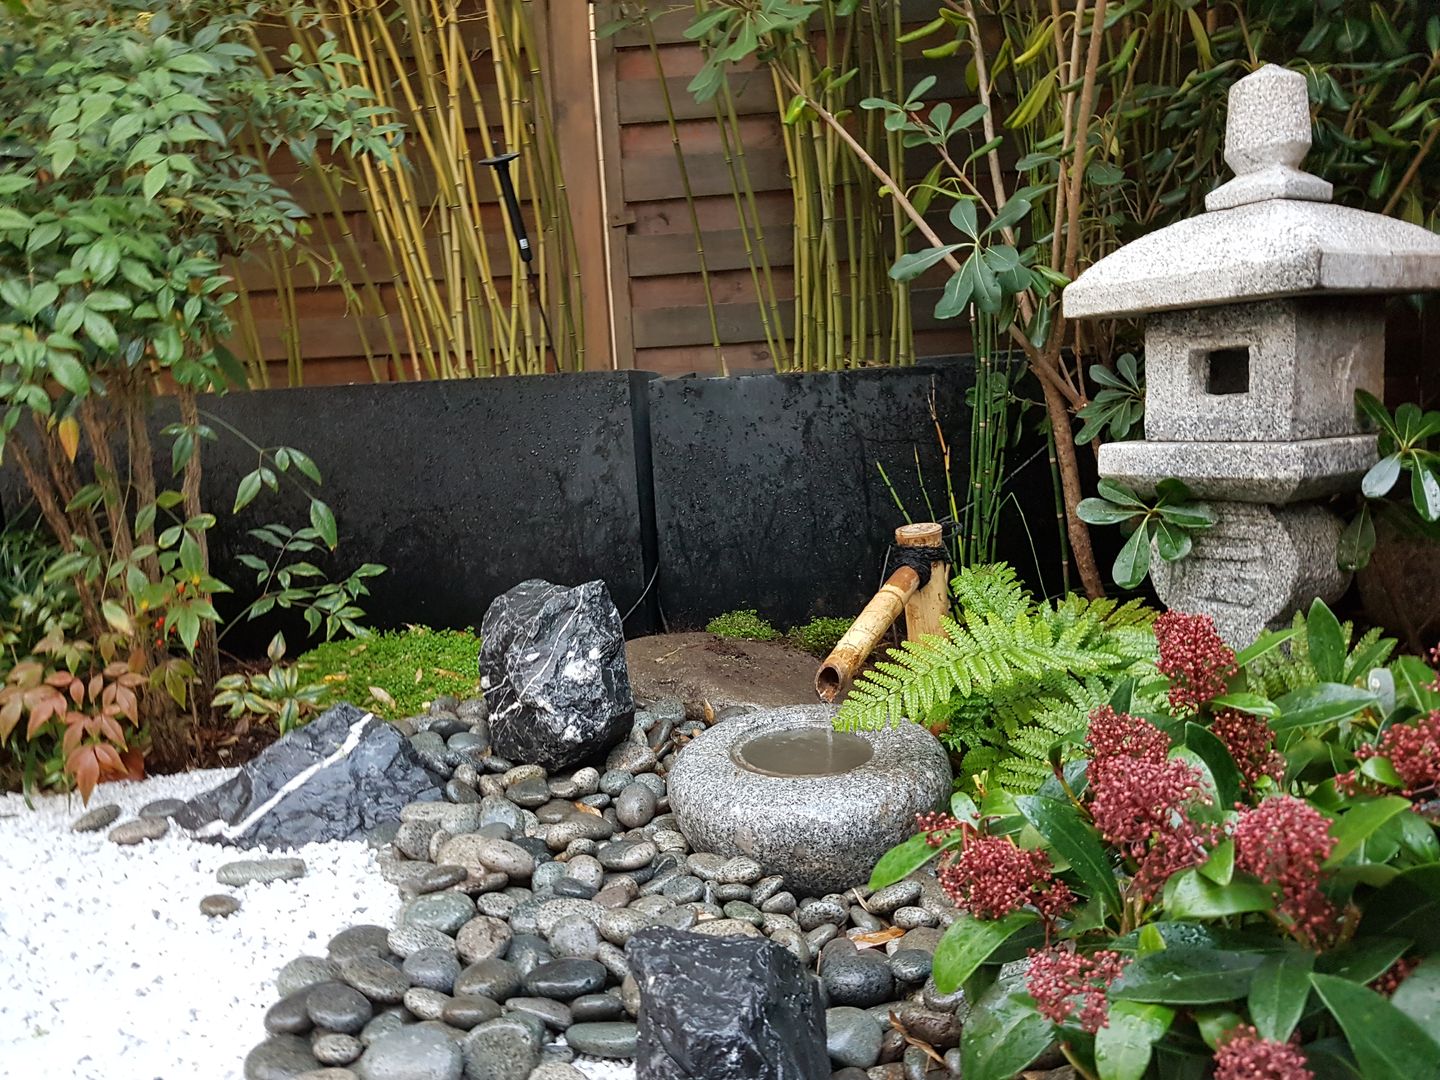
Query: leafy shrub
{"points": [[278, 692], [1228, 883], [820, 634], [746, 625], [130, 139], [1009, 676], [408, 668]]}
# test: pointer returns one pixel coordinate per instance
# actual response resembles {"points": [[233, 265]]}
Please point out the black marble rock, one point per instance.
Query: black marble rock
{"points": [[375, 772], [553, 666], [716, 1008]]}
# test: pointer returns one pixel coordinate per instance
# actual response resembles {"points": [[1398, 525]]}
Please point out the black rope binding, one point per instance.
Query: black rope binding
{"points": [[919, 559]]}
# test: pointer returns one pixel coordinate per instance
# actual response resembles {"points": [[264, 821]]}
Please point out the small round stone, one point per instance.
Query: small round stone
{"points": [[404, 940], [288, 1016], [781, 903], [504, 1048], [443, 911], [303, 972], [364, 940], [857, 980], [96, 819], [375, 978], [529, 794], [495, 978], [813, 913], [162, 808], [280, 1057], [413, 1052], [741, 870], [481, 938], [604, 1038], [139, 831], [739, 909], [336, 1049], [432, 969], [908, 918], [468, 1010], [627, 855], [591, 1007], [911, 965], [575, 937], [684, 889], [425, 1004], [890, 899], [632, 757], [553, 1014], [218, 905], [635, 806], [565, 979], [618, 926], [852, 1037], [336, 1006], [614, 781]]}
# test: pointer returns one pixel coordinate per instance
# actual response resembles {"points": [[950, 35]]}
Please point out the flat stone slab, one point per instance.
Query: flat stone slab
{"points": [[96, 819], [1253, 472], [700, 667], [823, 833], [259, 871], [139, 831]]}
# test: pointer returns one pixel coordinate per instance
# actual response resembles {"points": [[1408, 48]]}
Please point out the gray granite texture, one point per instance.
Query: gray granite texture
{"points": [[1278, 472], [1255, 568], [823, 833], [1267, 135], [1282, 247], [1274, 370], [552, 664]]}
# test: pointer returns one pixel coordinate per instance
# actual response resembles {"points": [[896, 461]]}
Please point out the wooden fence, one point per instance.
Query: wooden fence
{"points": [[644, 301]]}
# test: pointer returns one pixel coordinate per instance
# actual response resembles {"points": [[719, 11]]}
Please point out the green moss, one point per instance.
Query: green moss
{"points": [[820, 635], [412, 667], [745, 624]]}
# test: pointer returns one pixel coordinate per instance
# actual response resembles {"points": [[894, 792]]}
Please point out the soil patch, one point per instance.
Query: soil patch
{"points": [[699, 668]]}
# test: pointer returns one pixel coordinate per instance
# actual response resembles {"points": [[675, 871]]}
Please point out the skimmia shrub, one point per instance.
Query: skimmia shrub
{"points": [[1227, 885]]}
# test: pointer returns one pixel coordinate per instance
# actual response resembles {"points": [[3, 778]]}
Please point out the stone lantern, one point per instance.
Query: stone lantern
{"points": [[1266, 314]]}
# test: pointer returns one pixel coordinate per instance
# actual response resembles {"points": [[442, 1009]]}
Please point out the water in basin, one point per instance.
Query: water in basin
{"points": [[807, 751]]}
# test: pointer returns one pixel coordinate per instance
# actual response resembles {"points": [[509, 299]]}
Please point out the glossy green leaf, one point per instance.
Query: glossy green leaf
{"points": [[322, 520], [1279, 991], [1190, 895], [1180, 976], [1381, 477], [1266, 643], [1382, 771], [1419, 995], [1002, 1036], [968, 943], [1124, 1046], [1413, 678], [1220, 866], [1206, 744], [1243, 701], [69, 372], [1118, 494], [1133, 562], [1216, 1023], [1425, 492], [1094, 511], [1074, 841], [1409, 907], [1172, 543], [956, 297], [1386, 1042], [1320, 703], [912, 264], [964, 218], [901, 861], [1352, 828], [1326, 642]]}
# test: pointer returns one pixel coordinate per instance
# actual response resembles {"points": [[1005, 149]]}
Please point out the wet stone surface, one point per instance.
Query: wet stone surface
{"points": [[520, 916]]}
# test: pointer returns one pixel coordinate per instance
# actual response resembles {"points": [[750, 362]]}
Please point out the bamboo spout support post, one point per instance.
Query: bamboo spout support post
{"points": [[900, 593], [925, 609]]}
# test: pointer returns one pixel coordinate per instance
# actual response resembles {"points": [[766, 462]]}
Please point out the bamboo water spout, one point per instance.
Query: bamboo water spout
{"points": [[923, 608]]}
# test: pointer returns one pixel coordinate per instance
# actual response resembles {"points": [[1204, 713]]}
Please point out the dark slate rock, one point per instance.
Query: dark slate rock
{"points": [[280, 1057], [553, 664], [346, 799], [725, 1009]]}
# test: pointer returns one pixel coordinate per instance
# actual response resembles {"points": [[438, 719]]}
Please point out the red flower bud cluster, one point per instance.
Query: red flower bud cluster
{"points": [[1252, 744], [1414, 751], [1197, 662], [1065, 983], [1139, 799], [993, 876], [1390, 980], [1282, 842], [1244, 1055], [936, 827]]}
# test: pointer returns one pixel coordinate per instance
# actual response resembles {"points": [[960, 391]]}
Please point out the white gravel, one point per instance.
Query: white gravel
{"points": [[108, 970]]}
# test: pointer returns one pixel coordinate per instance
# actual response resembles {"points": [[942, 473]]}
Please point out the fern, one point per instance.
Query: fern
{"points": [[1288, 667], [1010, 676]]}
